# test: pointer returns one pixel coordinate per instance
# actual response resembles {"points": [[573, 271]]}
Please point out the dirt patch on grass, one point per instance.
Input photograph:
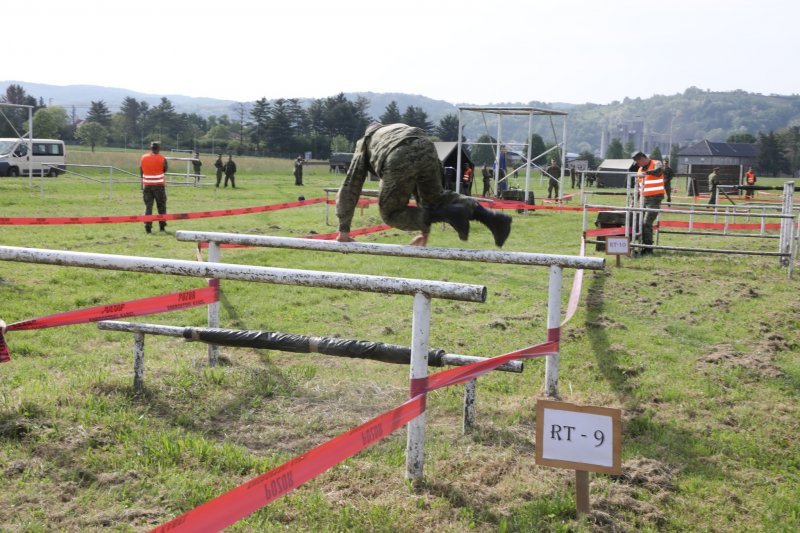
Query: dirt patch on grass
{"points": [[759, 359], [645, 484], [604, 321]]}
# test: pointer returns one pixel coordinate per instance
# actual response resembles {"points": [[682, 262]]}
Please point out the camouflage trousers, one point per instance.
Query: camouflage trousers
{"points": [[157, 194], [651, 202], [413, 168]]}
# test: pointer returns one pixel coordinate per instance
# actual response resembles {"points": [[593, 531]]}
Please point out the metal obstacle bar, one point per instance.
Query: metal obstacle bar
{"points": [[289, 342], [458, 254], [278, 276]]}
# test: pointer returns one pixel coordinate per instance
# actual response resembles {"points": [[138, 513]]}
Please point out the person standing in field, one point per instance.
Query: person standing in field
{"points": [[230, 172], [713, 182], [749, 179], [152, 171], [650, 178], [487, 174], [405, 159], [554, 173], [197, 165], [668, 174], [220, 166], [298, 170]]}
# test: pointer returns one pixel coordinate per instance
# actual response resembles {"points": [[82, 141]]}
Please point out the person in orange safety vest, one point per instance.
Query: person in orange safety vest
{"points": [[152, 170], [650, 178], [749, 179]]}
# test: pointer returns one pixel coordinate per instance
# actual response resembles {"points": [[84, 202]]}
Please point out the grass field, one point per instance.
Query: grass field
{"points": [[699, 351]]}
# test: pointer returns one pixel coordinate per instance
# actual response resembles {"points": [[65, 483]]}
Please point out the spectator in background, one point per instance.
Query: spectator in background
{"points": [[554, 173], [230, 172], [197, 165], [220, 166], [749, 179], [487, 174], [713, 183], [668, 174], [152, 171], [467, 180], [298, 170]]}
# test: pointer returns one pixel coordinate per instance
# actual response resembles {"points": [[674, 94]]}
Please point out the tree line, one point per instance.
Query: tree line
{"points": [[278, 128]]}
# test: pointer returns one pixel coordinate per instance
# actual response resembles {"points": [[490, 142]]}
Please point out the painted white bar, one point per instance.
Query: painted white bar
{"points": [[213, 308], [553, 324], [138, 362], [420, 333], [396, 250], [278, 276]]}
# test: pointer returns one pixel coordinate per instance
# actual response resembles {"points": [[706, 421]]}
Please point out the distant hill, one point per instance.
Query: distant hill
{"points": [[690, 116]]}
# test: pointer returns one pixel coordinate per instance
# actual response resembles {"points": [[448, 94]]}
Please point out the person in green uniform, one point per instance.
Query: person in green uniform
{"points": [[407, 163], [230, 172], [220, 166]]}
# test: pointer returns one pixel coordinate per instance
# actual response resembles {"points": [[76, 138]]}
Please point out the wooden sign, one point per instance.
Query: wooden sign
{"points": [[618, 246], [578, 437]]}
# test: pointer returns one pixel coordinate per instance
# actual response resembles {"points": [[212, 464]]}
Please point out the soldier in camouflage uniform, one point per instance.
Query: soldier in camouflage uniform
{"points": [[230, 172], [220, 166], [406, 161]]}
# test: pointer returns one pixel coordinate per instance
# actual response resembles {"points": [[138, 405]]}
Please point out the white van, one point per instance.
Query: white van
{"points": [[48, 157]]}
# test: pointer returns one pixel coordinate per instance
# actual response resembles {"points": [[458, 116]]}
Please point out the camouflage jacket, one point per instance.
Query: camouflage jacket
{"points": [[370, 154]]}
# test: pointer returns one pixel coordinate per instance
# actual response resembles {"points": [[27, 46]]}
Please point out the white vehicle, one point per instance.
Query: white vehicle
{"points": [[47, 158]]}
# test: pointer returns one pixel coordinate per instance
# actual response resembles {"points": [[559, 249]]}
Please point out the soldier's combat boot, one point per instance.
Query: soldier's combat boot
{"points": [[498, 223], [456, 215]]}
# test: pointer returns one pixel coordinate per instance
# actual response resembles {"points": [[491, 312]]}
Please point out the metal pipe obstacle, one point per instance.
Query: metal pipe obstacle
{"points": [[394, 250], [278, 276], [289, 342]]}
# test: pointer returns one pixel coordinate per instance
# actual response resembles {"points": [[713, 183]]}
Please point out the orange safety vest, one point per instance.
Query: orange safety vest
{"points": [[650, 185], [750, 177], [153, 170]]}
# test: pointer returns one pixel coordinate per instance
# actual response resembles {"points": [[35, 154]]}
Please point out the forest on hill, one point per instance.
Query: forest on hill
{"points": [[287, 126]]}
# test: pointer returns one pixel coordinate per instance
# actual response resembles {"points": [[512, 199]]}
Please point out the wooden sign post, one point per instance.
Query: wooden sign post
{"points": [[584, 438], [618, 246]]}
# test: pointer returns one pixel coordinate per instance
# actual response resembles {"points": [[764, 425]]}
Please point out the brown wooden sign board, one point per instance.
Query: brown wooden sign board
{"points": [[578, 437]]}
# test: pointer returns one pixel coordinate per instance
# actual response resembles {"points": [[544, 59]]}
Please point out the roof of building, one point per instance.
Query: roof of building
{"points": [[615, 164], [714, 149], [444, 149]]}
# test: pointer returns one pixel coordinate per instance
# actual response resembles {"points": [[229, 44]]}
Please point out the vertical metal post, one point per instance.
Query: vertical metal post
{"points": [[787, 223], [553, 329], [138, 362], [214, 252], [563, 155], [469, 405], [497, 159], [528, 162], [420, 333], [458, 156], [110, 181], [30, 149]]}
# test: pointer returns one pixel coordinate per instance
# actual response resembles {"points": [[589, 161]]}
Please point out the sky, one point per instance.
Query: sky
{"points": [[461, 51]]}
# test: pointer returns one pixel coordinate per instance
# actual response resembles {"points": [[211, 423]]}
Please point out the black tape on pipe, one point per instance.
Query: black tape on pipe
{"points": [[289, 342], [756, 187]]}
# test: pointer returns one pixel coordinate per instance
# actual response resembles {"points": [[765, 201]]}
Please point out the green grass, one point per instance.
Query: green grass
{"points": [[700, 352]]}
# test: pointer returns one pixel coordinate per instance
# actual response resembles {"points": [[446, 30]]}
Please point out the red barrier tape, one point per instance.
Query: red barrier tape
{"points": [[4, 355], [36, 221], [232, 506], [602, 232], [144, 306]]}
